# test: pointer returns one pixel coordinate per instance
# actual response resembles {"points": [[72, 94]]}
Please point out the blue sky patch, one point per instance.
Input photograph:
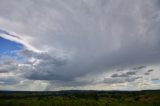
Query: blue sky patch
{"points": [[9, 48]]}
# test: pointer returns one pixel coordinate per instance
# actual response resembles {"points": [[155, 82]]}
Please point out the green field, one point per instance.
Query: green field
{"points": [[81, 98]]}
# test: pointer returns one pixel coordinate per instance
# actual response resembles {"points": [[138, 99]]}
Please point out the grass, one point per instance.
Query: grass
{"points": [[81, 98]]}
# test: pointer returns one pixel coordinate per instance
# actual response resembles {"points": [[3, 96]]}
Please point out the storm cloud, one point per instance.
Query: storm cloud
{"points": [[76, 42]]}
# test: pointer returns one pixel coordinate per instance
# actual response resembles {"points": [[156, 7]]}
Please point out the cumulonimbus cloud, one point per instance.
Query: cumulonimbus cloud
{"points": [[82, 38]]}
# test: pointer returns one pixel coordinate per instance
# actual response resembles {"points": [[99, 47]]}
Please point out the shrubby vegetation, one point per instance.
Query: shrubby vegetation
{"points": [[81, 98]]}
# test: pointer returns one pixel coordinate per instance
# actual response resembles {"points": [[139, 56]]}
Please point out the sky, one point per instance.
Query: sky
{"points": [[50, 45], [8, 46]]}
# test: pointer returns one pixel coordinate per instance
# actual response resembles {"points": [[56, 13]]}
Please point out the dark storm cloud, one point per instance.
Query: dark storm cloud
{"points": [[3, 71], [150, 70], [114, 75], [155, 79], [42, 66], [120, 69], [70, 39], [120, 80], [139, 67], [129, 73], [147, 73], [43, 57]]}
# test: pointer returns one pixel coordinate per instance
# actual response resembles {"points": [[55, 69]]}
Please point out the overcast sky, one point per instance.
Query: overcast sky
{"points": [[79, 44]]}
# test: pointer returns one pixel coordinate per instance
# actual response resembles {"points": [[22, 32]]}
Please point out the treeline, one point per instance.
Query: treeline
{"points": [[81, 98]]}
